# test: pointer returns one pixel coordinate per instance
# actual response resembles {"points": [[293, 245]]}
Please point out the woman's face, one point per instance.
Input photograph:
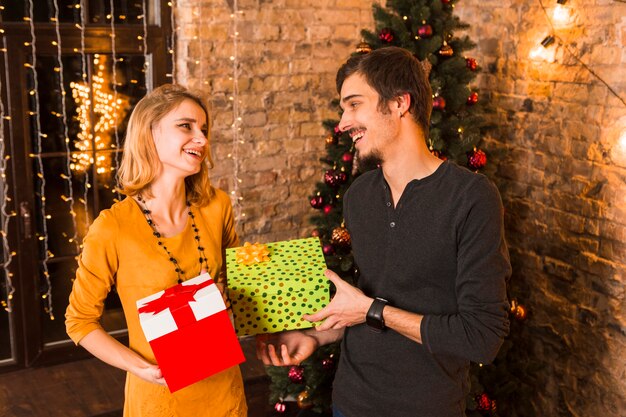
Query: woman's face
{"points": [[181, 139]]}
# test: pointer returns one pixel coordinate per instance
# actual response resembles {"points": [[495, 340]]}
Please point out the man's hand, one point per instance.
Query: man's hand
{"points": [[286, 348], [348, 307]]}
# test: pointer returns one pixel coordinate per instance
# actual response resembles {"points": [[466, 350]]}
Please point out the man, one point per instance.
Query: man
{"points": [[427, 236]]}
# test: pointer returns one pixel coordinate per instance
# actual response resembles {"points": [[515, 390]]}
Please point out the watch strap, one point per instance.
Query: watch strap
{"points": [[374, 318]]}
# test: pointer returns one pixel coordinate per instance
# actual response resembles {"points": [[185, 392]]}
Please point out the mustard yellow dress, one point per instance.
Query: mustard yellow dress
{"points": [[120, 250]]}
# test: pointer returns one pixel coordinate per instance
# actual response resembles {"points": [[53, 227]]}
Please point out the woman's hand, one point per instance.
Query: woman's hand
{"points": [[286, 348], [149, 372]]}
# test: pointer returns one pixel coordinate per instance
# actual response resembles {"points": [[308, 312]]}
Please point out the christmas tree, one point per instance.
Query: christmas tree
{"points": [[429, 30]]}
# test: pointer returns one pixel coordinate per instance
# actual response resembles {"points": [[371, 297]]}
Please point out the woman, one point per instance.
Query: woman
{"points": [[171, 226]]}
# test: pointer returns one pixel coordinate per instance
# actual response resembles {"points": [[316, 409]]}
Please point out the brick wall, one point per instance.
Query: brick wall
{"points": [[288, 54], [556, 158], [554, 153]]}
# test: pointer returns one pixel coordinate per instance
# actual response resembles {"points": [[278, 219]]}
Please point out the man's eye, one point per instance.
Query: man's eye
{"points": [[353, 105]]}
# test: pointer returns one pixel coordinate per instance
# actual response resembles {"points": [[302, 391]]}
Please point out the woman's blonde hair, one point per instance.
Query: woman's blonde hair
{"points": [[140, 161]]}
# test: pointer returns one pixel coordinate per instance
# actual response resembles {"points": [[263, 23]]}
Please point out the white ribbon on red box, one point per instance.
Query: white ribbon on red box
{"points": [[201, 298]]}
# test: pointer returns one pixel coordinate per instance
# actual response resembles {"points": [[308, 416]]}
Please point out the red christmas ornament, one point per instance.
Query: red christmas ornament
{"points": [[439, 103], [473, 98], [330, 178], [386, 35], [446, 1], [341, 177], [296, 374], [483, 402], [280, 407], [315, 233], [337, 130], [476, 159], [425, 31], [317, 201], [327, 209], [347, 157], [328, 249], [471, 63]]}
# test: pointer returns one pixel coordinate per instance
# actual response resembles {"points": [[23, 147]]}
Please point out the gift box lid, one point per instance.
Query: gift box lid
{"points": [[158, 311], [294, 265]]}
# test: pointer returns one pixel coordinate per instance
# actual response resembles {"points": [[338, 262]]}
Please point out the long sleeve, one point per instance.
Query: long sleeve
{"points": [[476, 332], [97, 267]]}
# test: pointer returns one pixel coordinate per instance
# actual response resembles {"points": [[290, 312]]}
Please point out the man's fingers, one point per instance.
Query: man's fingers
{"points": [[317, 316]]}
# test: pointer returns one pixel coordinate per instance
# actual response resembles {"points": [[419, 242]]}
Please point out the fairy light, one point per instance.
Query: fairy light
{"points": [[172, 45], [96, 136], [144, 20], [43, 237], [236, 198], [83, 61], [5, 215], [114, 98], [543, 51], [69, 199]]}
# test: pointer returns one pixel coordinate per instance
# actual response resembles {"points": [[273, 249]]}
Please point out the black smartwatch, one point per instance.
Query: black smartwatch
{"points": [[374, 317]]}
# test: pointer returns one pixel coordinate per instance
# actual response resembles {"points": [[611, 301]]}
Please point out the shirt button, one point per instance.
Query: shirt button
{"points": [[388, 204], [392, 224]]}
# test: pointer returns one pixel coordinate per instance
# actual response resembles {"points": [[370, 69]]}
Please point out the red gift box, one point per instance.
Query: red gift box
{"points": [[190, 332]]}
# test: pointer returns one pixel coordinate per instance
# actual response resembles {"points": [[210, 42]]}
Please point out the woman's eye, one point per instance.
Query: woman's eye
{"points": [[185, 125]]}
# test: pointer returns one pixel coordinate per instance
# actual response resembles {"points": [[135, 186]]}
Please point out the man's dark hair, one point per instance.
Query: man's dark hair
{"points": [[391, 72]]}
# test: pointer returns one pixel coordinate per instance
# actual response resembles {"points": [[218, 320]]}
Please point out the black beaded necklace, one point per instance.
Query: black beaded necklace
{"points": [[201, 258]]}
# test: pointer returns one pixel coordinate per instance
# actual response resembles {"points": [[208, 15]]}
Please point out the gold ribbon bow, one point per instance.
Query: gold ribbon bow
{"points": [[250, 254]]}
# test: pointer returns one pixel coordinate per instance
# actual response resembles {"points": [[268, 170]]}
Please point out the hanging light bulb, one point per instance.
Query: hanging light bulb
{"points": [[541, 51]]}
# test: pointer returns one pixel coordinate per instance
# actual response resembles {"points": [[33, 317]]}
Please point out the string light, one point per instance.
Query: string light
{"points": [[237, 119], [114, 98], [541, 52], [96, 101], [67, 176], [43, 237], [144, 20], [83, 61], [5, 216], [172, 46]]}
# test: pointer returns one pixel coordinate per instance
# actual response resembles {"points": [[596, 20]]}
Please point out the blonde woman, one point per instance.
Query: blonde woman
{"points": [[171, 226]]}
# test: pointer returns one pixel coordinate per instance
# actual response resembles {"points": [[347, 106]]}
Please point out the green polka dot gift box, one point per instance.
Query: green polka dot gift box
{"points": [[272, 287]]}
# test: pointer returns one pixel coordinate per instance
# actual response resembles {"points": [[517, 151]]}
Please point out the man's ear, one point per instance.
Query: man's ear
{"points": [[402, 103]]}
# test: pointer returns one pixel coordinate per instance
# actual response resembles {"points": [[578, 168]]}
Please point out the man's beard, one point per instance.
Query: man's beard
{"points": [[368, 162]]}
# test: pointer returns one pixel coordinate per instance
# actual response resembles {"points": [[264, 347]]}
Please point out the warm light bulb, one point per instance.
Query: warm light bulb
{"points": [[561, 15]]}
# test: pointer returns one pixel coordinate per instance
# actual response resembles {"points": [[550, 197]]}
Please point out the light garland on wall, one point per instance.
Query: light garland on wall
{"points": [[236, 197], [67, 175], [172, 45], [43, 236], [114, 98], [562, 15], [83, 62], [5, 215], [144, 38]]}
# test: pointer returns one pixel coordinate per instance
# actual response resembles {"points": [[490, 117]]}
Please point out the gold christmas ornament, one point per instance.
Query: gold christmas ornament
{"points": [[303, 400], [446, 50], [363, 48], [340, 236]]}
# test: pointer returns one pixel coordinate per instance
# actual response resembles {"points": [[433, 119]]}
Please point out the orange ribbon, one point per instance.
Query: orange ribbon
{"points": [[250, 254]]}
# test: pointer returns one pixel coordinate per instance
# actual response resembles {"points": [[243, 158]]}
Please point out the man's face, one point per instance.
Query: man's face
{"points": [[371, 130]]}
